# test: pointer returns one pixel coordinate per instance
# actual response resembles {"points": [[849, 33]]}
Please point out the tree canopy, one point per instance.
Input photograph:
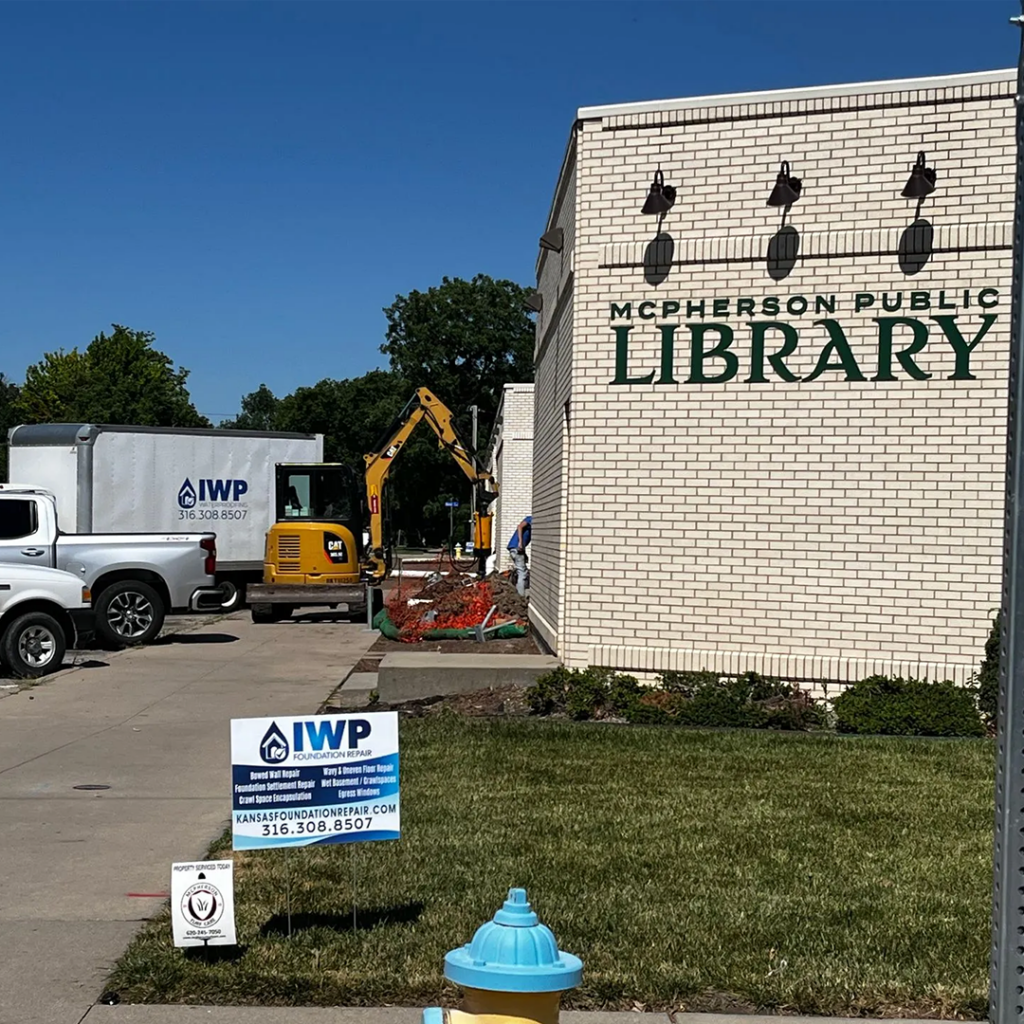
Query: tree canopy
{"points": [[119, 378], [465, 340], [462, 339]]}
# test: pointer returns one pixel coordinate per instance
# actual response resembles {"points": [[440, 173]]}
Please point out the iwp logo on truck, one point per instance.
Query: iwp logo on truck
{"points": [[210, 492]]}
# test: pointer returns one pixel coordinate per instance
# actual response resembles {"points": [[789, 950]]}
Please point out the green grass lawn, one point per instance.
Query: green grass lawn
{"points": [[688, 869]]}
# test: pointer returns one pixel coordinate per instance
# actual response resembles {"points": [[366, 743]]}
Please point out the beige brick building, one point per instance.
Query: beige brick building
{"points": [[774, 439], [511, 464]]}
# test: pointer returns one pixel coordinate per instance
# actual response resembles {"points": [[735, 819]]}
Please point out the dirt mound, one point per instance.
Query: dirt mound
{"points": [[507, 599]]}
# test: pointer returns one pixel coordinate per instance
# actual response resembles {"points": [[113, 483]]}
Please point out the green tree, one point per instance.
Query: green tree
{"points": [[8, 419], [259, 411], [119, 378], [465, 340]]}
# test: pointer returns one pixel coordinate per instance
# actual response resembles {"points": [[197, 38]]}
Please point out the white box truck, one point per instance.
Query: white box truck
{"points": [[111, 479]]}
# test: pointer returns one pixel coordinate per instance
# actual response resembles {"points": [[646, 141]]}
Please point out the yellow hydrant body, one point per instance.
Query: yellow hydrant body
{"points": [[511, 973]]}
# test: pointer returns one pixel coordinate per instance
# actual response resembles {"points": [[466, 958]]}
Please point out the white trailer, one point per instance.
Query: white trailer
{"points": [[111, 479]]}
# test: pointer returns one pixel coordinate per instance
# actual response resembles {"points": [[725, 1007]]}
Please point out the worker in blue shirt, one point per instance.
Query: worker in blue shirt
{"points": [[517, 548]]}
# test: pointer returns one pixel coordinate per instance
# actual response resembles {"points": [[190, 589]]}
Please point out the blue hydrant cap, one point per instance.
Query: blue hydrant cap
{"points": [[514, 953]]}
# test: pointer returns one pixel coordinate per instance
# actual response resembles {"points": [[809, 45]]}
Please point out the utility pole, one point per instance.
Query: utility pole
{"points": [[1006, 978], [474, 409]]}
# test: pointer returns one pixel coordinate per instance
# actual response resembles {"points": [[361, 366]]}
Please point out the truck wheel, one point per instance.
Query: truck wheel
{"points": [[129, 613], [236, 600], [33, 645]]}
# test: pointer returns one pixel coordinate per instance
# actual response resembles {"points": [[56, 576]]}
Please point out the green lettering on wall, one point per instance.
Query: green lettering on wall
{"points": [[623, 311], [720, 307], [824, 303], [744, 307], [668, 335], [669, 307], [698, 354], [622, 359], [770, 305], [838, 346], [759, 329], [646, 310], [963, 348], [862, 300], [905, 355], [984, 294], [920, 300]]}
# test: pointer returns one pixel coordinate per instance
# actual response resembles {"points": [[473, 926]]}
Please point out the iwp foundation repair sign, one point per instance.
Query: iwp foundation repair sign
{"points": [[322, 779], [203, 903]]}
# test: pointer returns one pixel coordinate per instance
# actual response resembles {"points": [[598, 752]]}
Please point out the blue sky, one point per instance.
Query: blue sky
{"points": [[255, 181]]}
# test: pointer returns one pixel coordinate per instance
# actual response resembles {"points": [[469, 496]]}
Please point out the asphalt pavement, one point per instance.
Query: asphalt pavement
{"points": [[80, 869]]}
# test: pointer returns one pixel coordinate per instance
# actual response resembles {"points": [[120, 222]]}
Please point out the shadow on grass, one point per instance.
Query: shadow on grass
{"points": [[215, 954], [407, 913]]}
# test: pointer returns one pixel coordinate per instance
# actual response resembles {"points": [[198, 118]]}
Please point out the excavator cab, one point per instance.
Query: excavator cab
{"points": [[317, 539]]}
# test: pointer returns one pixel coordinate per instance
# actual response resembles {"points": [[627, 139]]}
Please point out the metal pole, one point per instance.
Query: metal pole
{"points": [[472, 500], [1006, 985]]}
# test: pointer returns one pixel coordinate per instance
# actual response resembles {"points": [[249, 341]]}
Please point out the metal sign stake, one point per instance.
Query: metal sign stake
{"points": [[288, 887], [352, 847]]}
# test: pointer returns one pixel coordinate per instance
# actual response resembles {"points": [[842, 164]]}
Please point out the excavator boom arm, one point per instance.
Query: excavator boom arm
{"points": [[424, 405]]}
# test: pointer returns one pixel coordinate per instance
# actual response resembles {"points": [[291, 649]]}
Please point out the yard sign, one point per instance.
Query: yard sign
{"points": [[306, 781]]}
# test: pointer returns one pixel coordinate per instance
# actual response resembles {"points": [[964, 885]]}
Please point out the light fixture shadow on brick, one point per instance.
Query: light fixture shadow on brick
{"points": [[783, 252], [916, 245], [658, 258]]}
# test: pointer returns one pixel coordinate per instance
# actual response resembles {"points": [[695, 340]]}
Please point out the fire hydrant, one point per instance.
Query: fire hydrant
{"points": [[511, 973]]}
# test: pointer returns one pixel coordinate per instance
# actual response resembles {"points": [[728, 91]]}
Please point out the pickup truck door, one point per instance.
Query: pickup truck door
{"points": [[25, 532]]}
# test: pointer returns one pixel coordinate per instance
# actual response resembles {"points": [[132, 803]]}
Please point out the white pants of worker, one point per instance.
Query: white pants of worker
{"points": [[519, 561]]}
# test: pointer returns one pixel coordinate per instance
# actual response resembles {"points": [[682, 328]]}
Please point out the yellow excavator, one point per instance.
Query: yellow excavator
{"points": [[315, 552]]}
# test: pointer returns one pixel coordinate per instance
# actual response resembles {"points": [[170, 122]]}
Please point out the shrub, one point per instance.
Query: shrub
{"points": [[892, 706], [988, 674], [586, 694], [687, 683], [623, 693], [547, 694], [583, 693], [682, 698]]}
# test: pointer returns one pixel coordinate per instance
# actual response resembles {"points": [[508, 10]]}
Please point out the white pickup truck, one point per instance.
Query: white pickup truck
{"points": [[135, 578], [42, 613]]}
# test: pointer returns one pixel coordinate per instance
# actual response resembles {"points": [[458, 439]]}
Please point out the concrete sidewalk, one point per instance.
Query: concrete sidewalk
{"points": [[404, 1015], [82, 868]]}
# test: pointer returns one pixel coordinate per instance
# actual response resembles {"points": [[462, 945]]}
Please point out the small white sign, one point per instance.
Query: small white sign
{"points": [[203, 903]]}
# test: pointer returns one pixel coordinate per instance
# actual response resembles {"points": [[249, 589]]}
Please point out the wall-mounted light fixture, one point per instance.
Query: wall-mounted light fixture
{"points": [[552, 240], [534, 302], [661, 197], [787, 188], [921, 182]]}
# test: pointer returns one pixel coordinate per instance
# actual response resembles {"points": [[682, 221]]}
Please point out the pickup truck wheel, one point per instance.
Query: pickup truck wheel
{"points": [[33, 645], [129, 613]]}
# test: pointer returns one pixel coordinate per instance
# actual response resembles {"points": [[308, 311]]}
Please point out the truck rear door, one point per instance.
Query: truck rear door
{"points": [[25, 531]]}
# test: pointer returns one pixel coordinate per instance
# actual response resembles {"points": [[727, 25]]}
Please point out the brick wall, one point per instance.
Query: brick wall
{"points": [[815, 528], [512, 466]]}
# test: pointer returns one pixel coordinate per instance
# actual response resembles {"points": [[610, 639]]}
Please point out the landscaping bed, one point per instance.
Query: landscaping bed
{"points": [[690, 869]]}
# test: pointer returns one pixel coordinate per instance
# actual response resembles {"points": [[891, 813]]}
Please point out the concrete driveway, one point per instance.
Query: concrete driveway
{"points": [[78, 867]]}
